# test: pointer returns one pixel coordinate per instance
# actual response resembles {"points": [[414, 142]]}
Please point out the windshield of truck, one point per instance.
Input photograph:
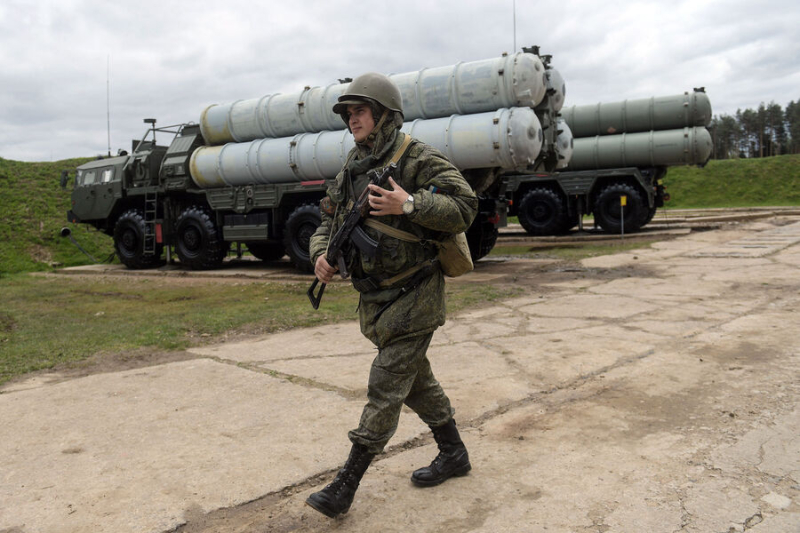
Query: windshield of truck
{"points": [[85, 177]]}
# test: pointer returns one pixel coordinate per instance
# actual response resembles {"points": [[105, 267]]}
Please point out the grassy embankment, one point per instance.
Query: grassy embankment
{"points": [[34, 209], [48, 322], [771, 181]]}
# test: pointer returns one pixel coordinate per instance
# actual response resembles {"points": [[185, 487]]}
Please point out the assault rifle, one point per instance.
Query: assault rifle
{"points": [[352, 232]]}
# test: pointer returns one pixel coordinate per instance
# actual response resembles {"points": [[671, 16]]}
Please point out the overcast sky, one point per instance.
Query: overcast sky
{"points": [[170, 59]]}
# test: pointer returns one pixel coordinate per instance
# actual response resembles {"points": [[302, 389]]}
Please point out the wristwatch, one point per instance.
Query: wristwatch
{"points": [[408, 205]]}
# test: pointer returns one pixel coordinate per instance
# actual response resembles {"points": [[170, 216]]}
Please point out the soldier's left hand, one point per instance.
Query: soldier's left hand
{"points": [[386, 202]]}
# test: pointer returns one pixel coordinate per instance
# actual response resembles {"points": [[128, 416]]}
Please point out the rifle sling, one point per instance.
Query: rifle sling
{"points": [[402, 150]]}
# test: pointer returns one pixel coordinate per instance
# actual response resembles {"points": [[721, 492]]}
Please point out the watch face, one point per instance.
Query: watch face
{"points": [[408, 205]]}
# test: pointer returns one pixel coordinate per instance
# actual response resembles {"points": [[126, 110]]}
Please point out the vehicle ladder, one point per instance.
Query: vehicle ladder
{"points": [[150, 213]]}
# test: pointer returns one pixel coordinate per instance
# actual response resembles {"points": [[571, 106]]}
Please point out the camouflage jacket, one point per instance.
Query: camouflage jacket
{"points": [[444, 203]]}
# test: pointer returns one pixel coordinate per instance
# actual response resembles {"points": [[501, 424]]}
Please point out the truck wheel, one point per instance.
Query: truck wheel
{"points": [[266, 251], [607, 208], [481, 238], [570, 221], [651, 212], [199, 243], [129, 234], [300, 226], [542, 212]]}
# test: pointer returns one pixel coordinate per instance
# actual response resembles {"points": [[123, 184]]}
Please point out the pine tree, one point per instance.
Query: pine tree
{"points": [[792, 118]]}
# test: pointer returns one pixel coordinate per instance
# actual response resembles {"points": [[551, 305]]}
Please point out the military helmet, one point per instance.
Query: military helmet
{"points": [[371, 86]]}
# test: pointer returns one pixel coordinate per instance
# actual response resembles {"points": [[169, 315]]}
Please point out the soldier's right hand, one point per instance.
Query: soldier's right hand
{"points": [[323, 270]]}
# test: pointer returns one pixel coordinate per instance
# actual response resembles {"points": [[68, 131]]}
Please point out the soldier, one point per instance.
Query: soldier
{"points": [[402, 288]]}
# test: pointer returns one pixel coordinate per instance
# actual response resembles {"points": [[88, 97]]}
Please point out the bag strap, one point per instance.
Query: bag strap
{"points": [[390, 231], [406, 273]]}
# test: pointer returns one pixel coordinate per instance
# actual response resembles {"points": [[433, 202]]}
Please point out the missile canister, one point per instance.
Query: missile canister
{"points": [[564, 144], [516, 80], [630, 116], [686, 146], [556, 89], [506, 138]]}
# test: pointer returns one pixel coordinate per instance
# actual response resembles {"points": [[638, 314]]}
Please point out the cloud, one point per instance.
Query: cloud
{"points": [[169, 60]]}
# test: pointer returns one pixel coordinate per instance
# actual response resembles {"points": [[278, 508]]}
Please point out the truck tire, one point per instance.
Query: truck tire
{"points": [[649, 214], [266, 251], [199, 242], [129, 234], [570, 221], [542, 212], [607, 208], [481, 238], [300, 226]]}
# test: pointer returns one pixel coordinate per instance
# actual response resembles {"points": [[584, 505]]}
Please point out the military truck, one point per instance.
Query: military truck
{"points": [[147, 202], [621, 150], [252, 172]]}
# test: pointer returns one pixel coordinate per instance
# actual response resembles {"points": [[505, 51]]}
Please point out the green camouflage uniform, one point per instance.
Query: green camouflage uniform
{"points": [[400, 324]]}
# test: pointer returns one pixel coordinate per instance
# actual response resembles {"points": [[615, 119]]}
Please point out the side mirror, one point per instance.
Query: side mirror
{"points": [[64, 178]]}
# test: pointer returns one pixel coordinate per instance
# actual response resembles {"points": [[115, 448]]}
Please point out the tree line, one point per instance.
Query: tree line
{"points": [[766, 131]]}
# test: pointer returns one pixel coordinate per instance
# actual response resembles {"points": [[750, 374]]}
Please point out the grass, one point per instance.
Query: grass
{"points": [[49, 322], [34, 210], [769, 181], [46, 322]]}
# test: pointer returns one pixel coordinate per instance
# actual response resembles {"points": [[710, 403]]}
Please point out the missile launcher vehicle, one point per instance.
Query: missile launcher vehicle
{"points": [[252, 172]]}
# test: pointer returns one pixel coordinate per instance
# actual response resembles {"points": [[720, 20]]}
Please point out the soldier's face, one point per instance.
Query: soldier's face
{"points": [[361, 121]]}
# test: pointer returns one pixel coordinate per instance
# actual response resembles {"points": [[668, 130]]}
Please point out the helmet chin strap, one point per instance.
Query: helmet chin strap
{"points": [[374, 133]]}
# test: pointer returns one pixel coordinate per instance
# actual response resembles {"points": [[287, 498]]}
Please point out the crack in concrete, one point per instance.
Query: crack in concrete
{"points": [[291, 378], [753, 521], [579, 382], [686, 516]]}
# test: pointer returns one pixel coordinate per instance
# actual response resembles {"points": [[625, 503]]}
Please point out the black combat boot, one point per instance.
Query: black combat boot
{"points": [[335, 499], [453, 459]]}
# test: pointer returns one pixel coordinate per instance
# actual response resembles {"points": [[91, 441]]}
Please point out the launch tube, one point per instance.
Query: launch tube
{"points": [[556, 89], [505, 138], [516, 80], [564, 143], [631, 116], [686, 146]]}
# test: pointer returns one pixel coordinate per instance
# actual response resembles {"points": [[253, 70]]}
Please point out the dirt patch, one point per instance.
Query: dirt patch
{"points": [[40, 254], [532, 273], [100, 363], [114, 362]]}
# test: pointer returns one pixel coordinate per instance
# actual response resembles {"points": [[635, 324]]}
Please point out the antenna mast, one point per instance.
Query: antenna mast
{"points": [[108, 99], [514, 4]]}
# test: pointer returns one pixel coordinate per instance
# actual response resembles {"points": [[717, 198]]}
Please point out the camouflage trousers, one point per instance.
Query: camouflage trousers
{"points": [[400, 374]]}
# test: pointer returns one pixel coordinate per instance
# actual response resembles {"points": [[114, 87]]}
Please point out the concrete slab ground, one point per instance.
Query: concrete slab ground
{"points": [[662, 398]]}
